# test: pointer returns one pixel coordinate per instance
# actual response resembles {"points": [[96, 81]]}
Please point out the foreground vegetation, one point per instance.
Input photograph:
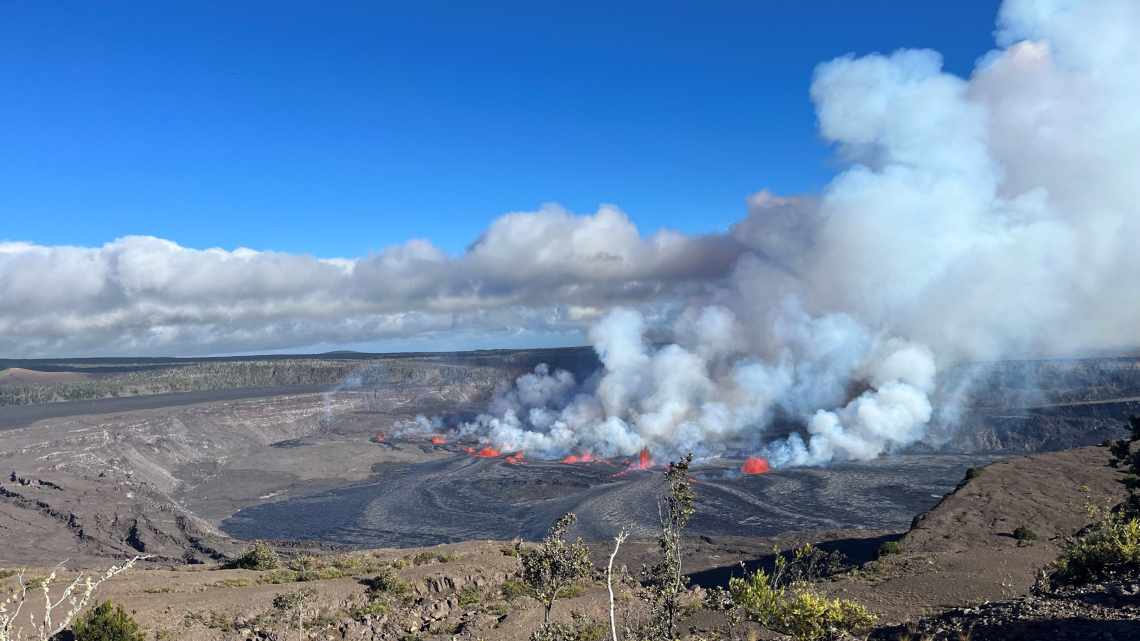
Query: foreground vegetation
{"points": [[1110, 548], [652, 603]]}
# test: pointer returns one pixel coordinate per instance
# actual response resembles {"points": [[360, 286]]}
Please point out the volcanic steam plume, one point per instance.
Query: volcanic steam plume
{"points": [[975, 218]]}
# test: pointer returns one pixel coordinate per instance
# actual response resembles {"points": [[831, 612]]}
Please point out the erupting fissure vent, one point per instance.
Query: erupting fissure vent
{"points": [[755, 465]]}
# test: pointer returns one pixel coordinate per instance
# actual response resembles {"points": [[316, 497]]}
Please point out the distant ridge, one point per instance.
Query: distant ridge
{"points": [[136, 363]]}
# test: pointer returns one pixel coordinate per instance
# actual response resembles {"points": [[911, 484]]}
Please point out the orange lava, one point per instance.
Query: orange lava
{"points": [[644, 462], [515, 459], [755, 465], [488, 452], [575, 458], [438, 440]]}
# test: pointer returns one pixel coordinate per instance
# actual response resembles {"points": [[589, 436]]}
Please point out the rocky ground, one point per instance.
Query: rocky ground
{"points": [[963, 551], [156, 480], [1098, 612], [958, 560]]}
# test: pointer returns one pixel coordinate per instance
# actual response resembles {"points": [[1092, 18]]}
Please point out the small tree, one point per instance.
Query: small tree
{"points": [[676, 509], [57, 611], [622, 535], [554, 564], [107, 622], [293, 605]]}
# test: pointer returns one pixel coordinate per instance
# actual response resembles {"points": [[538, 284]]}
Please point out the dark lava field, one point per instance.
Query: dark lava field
{"points": [[463, 498]]}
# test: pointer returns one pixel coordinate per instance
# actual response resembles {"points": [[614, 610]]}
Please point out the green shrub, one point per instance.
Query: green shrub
{"points": [[797, 611], [806, 563], [470, 596], [890, 547], [303, 562], [307, 567], [240, 582], [1022, 533], [212, 619], [808, 616], [310, 568], [278, 577], [580, 628], [371, 608], [424, 558], [513, 589], [106, 622], [759, 597], [972, 473], [571, 591], [357, 564], [259, 556], [387, 583], [1110, 548]]}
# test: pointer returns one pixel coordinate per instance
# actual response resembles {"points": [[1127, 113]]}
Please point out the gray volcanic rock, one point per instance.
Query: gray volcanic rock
{"points": [[1102, 611]]}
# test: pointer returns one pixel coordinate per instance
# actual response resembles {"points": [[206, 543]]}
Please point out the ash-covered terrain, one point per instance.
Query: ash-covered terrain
{"points": [[271, 452]]}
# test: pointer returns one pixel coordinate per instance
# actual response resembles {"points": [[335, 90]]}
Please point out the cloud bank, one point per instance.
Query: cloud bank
{"points": [[544, 271]]}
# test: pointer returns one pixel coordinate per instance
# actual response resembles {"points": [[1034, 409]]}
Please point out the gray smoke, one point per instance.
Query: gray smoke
{"points": [[976, 218]]}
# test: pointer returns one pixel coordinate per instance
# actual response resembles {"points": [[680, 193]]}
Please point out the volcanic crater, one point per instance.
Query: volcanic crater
{"points": [[193, 474]]}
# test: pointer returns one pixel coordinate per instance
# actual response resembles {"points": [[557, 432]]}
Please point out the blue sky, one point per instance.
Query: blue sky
{"points": [[339, 128]]}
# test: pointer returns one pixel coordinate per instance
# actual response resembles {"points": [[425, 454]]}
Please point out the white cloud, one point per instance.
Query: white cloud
{"points": [[543, 271]]}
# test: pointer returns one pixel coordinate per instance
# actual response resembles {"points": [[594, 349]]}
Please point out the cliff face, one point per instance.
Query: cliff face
{"points": [[1021, 407], [90, 383], [1039, 431]]}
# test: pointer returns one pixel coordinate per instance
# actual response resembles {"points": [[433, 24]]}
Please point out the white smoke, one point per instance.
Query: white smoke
{"points": [[419, 426], [977, 218], [708, 392]]}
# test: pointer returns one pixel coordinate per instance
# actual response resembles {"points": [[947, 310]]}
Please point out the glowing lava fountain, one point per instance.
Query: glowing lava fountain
{"points": [[644, 461], [755, 465]]}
